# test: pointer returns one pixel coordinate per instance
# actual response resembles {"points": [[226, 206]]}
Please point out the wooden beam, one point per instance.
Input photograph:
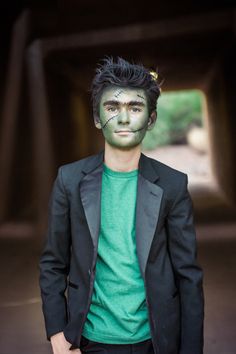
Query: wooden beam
{"points": [[200, 23]]}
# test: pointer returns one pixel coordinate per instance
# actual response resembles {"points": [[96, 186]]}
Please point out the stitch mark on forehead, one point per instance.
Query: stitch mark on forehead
{"points": [[141, 96], [105, 124], [118, 93]]}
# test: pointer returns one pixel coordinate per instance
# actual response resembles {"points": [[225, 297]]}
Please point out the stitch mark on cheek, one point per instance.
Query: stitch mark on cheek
{"points": [[138, 130], [105, 124]]}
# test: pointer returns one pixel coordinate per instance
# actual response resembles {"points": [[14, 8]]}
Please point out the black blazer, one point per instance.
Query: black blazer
{"points": [[166, 248]]}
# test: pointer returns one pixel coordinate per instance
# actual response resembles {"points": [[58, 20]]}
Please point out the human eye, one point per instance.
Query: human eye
{"points": [[111, 109], [136, 109]]}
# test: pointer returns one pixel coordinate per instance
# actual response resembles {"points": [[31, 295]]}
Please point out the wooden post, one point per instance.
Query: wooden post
{"points": [[42, 140], [10, 108]]}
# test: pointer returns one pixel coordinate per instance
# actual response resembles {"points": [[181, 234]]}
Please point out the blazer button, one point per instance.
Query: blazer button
{"points": [[89, 272]]}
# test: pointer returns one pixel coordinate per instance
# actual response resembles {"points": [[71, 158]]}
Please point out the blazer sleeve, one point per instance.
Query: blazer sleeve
{"points": [[55, 260], [188, 274]]}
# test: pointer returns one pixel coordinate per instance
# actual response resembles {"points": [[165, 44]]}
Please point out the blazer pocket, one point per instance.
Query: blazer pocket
{"points": [[73, 285]]}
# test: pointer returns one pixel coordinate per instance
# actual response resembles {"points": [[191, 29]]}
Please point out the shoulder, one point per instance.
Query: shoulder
{"points": [[173, 182], [165, 171], [169, 178], [77, 165], [74, 170]]}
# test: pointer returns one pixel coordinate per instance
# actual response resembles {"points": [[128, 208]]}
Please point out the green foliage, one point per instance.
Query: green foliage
{"points": [[176, 112]]}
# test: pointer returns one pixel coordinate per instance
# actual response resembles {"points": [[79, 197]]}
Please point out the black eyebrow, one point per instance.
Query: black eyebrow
{"points": [[111, 103], [117, 103], [136, 103]]}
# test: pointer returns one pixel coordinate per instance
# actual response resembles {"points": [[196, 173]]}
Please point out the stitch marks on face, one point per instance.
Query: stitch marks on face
{"points": [[108, 120], [123, 120], [117, 94], [138, 130], [138, 95]]}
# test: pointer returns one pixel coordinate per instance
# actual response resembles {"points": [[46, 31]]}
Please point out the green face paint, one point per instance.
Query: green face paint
{"points": [[123, 116]]}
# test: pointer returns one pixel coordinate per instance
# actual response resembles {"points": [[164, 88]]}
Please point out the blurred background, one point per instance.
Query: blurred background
{"points": [[49, 52]]}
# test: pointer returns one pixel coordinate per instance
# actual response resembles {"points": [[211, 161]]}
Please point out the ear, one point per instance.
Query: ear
{"points": [[152, 120], [97, 122]]}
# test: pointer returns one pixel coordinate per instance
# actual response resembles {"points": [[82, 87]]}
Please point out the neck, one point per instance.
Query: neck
{"points": [[122, 160]]}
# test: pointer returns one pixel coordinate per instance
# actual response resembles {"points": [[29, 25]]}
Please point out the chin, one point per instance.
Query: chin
{"points": [[125, 146]]}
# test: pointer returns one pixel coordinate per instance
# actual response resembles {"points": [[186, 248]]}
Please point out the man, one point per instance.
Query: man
{"points": [[121, 238]]}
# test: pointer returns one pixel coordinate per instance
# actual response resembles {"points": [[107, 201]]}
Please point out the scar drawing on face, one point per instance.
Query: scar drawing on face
{"points": [[138, 130], [118, 93], [141, 96], [105, 124]]}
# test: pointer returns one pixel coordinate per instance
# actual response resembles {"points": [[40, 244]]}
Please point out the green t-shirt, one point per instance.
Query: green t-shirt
{"points": [[118, 312]]}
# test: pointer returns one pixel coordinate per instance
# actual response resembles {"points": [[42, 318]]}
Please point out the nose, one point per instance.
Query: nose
{"points": [[123, 117]]}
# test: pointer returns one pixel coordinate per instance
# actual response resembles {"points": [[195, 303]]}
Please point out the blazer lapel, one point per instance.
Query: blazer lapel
{"points": [[90, 192], [149, 198]]}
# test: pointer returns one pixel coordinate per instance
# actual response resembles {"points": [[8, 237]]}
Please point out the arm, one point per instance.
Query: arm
{"points": [[183, 253], [55, 260]]}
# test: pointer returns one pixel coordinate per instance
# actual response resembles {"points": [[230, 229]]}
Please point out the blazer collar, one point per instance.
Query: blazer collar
{"points": [[146, 168], [94, 162]]}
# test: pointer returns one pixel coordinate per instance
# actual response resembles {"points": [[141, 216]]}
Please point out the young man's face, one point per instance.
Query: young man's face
{"points": [[124, 116]]}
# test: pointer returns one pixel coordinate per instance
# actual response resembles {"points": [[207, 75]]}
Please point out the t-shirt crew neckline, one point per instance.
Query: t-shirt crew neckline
{"points": [[119, 174]]}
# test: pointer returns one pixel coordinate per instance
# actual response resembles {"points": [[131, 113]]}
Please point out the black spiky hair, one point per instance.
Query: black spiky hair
{"points": [[124, 74]]}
